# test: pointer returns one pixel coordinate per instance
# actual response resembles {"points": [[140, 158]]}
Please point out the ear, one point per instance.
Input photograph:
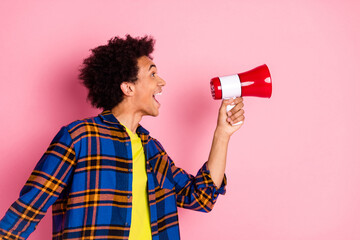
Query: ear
{"points": [[127, 88]]}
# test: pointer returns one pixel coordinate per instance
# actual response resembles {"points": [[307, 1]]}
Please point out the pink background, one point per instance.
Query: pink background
{"points": [[294, 167]]}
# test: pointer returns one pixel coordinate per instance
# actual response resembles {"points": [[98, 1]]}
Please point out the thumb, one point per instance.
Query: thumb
{"points": [[224, 103]]}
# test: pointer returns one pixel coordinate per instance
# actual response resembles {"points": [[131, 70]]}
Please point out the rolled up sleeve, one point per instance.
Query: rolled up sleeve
{"points": [[197, 193]]}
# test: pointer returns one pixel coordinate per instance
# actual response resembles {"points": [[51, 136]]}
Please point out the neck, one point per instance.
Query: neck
{"points": [[126, 115]]}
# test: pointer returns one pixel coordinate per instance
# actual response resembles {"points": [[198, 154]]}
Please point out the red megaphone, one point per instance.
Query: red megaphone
{"points": [[256, 83]]}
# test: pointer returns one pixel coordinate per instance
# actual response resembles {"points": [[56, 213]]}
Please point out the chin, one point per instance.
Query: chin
{"points": [[153, 114]]}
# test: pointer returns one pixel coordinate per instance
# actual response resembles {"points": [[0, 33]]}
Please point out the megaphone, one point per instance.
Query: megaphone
{"points": [[255, 82]]}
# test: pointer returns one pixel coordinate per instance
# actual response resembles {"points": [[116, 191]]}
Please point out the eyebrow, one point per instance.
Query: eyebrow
{"points": [[152, 65]]}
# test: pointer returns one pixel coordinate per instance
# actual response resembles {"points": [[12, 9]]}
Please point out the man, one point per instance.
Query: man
{"points": [[105, 176]]}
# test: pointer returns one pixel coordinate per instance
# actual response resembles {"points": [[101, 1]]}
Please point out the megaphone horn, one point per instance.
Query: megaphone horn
{"points": [[256, 83]]}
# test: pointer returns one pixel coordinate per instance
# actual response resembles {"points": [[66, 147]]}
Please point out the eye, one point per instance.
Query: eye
{"points": [[153, 74]]}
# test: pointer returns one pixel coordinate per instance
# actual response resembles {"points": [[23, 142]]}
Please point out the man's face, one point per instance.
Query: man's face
{"points": [[147, 87]]}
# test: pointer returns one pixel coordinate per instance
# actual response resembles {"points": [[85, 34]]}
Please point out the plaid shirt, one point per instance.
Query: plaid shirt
{"points": [[86, 175]]}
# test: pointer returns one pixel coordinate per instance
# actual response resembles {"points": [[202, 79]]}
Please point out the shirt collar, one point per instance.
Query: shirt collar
{"points": [[108, 117]]}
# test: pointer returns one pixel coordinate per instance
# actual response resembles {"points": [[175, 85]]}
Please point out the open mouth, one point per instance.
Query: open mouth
{"points": [[155, 95]]}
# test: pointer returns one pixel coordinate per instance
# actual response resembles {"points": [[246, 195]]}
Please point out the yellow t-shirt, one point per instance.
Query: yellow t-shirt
{"points": [[140, 228]]}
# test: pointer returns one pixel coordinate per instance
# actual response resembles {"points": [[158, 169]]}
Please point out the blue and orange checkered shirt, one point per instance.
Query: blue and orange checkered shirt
{"points": [[86, 175]]}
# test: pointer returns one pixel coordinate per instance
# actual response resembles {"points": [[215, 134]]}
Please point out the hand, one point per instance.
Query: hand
{"points": [[235, 115]]}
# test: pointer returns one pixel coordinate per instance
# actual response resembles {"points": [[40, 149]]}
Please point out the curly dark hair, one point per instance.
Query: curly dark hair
{"points": [[110, 65]]}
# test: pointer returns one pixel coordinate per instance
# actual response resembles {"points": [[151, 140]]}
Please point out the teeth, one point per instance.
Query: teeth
{"points": [[158, 94]]}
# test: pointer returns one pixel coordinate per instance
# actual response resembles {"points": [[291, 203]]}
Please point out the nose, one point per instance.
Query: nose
{"points": [[162, 82]]}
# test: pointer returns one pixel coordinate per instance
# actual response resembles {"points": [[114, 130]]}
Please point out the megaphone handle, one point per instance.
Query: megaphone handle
{"points": [[228, 108]]}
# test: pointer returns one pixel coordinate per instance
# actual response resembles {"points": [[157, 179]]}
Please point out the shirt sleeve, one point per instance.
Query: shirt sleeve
{"points": [[194, 192], [50, 176]]}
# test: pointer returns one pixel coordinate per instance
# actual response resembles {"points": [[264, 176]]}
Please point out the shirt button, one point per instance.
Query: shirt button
{"points": [[126, 144], [126, 224], [129, 170], [128, 196]]}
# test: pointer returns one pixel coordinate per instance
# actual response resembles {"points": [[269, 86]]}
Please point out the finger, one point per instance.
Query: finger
{"points": [[229, 101], [234, 101], [237, 114], [239, 119], [239, 100], [235, 109]]}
